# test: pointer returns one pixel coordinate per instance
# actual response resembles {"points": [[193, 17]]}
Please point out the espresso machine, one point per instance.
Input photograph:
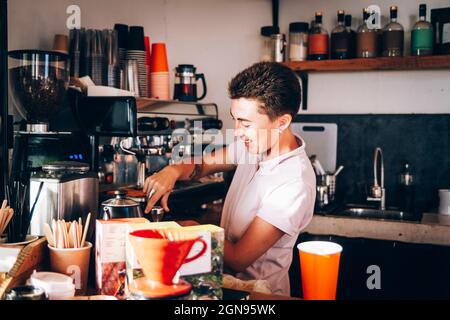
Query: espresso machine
{"points": [[161, 140]]}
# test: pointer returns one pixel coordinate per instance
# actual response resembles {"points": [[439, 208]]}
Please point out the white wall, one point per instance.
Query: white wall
{"points": [[221, 37]]}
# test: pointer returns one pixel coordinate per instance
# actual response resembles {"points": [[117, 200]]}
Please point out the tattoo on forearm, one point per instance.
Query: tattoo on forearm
{"points": [[195, 174]]}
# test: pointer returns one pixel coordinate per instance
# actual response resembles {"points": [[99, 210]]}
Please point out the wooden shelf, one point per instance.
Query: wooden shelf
{"points": [[373, 64], [143, 104]]}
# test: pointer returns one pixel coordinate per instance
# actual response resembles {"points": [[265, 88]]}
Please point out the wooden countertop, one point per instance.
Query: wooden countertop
{"points": [[433, 229], [424, 232]]}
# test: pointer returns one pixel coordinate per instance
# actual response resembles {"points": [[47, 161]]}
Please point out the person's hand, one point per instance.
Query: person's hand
{"points": [[159, 186]]}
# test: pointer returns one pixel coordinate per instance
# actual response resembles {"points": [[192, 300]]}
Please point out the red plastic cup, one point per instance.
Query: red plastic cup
{"points": [[147, 50], [319, 264], [159, 58]]}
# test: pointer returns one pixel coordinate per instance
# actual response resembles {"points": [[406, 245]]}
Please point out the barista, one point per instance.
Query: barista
{"points": [[271, 197]]}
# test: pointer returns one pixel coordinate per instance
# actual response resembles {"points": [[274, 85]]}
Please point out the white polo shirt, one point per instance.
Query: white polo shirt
{"points": [[282, 192]]}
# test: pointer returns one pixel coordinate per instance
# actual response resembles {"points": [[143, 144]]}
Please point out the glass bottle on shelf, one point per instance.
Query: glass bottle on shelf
{"points": [[351, 36], [298, 41], [366, 39], [318, 40], [393, 36], [266, 42], [422, 35], [339, 38]]}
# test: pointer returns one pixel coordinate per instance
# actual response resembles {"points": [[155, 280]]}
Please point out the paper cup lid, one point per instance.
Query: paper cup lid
{"points": [[322, 248], [52, 282]]}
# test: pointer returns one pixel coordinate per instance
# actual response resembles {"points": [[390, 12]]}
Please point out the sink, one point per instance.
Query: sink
{"points": [[379, 214]]}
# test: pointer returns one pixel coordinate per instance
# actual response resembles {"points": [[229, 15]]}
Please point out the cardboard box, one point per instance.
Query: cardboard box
{"points": [[207, 284], [110, 264], [204, 273]]}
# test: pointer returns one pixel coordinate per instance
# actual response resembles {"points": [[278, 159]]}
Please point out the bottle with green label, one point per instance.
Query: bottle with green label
{"points": [[422, 35]]}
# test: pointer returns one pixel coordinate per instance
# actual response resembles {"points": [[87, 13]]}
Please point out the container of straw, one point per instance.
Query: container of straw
{"points": [[18, 198], [69, 250]]}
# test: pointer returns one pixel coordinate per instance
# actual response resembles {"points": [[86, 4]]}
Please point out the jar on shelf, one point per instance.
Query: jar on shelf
{"points": [[278, 47], [267, 44], [298, 41]]}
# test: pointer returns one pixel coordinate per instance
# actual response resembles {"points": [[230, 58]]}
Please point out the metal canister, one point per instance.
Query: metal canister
{"points": [[63, 190], [121, 207], [331, 184], [278, 47], [322, 196]]}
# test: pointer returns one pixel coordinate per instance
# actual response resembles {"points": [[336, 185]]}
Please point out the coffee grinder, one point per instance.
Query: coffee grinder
{"points": [[38, 83]]}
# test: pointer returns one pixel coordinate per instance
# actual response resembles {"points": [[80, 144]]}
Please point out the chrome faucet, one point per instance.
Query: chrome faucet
{"points": [[377, 192]]}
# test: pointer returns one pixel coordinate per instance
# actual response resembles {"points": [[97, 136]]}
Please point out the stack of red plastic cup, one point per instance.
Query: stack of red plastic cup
{"points": [[159, 75]]}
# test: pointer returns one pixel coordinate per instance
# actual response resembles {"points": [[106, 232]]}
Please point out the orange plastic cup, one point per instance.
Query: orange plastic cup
{"points": [[147, 50], [159, 58], [319, 264]]}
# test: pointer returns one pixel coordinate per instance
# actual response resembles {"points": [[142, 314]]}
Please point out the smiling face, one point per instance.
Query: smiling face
{"points": [[265, 98], [254, 128]]}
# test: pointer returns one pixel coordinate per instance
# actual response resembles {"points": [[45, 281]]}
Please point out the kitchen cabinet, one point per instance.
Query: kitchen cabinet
{"points": [[407, 271]]}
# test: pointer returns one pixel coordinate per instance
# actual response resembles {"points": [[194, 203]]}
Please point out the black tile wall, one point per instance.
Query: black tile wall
{"points": [[421, 139]]}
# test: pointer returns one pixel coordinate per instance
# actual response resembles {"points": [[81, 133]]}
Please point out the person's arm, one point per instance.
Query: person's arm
{"points": [[200, 167], [285, 210], [161, 184], [257, 239]]}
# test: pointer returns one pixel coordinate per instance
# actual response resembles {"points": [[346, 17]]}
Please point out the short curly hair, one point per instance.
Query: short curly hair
{"points": [[275, 86]]}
